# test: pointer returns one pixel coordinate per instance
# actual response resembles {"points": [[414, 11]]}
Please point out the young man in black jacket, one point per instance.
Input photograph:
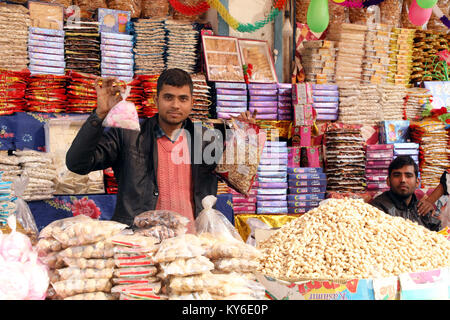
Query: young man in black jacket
{"points": [[133, 155], [400, 200]]}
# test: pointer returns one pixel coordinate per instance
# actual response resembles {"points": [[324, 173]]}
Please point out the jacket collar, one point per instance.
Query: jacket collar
{"points": [[400, 203]]}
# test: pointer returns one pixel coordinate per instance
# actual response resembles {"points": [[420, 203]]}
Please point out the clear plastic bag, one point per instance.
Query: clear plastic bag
{"points": [[58, 226], [166, 218], [88, 232], [89, 273], [99, 250], [236, 265], [255, 223], [123, 114], [46, 245], [191, 283], [92, 296], [83, 263], [391, 12], [160, 232], [135, 272], [133, 260], [240, 159], [67, 288], [147, 287], [23, 212], [218, 247], [213, 221], [187, 267], [132, 241], [181, 247]]}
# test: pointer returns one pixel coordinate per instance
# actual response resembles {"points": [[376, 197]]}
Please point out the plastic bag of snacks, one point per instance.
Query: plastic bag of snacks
{"points": [[240, 159], [87, 232], [161, 232], [182, 247], [187, 267], [67, 288], [92, 296], [58, 226], [218, 247], [166, 218], [23, 212], [123, 114], [45, 246], [89, 273], [213, 221], [236, 265], [133, 241], [83, 263], [98, 250]]}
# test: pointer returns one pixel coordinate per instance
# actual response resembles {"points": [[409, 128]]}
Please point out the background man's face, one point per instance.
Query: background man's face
{"points": [[403, 181], [174, 104]]}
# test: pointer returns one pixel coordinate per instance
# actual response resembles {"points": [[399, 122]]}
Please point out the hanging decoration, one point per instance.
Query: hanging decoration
{"points": [[318, 17], [426, 4], [418, 15]]}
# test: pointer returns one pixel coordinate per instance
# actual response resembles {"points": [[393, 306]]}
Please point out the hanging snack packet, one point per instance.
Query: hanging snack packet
{"points": [[240, 159], [123, 114]]}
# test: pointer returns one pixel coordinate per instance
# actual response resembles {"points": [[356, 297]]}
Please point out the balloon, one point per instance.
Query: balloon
{"points": [[426, 4], [417, 15], [318, 16]]}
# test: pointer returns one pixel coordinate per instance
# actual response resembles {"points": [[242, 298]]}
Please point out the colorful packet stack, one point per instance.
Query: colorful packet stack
{"points": [[12, 91], [46, 93], [82, 47], [272, 179], [345, 158], [326, 101], [401, 52], [81, 94], [407, 149], [350, 53], [110, 181], [392, 100], [264, 99], [285, 109], [7, 206], [415, 99], [201, 96], [378, 156], [243, 204], [149, 46], [307, 187], [376, 60], [181, 50], [359, 104], [117, 45], [14, 23], [46, 51], [434, 154], [149, 108], [231, 99], [319, 61]]}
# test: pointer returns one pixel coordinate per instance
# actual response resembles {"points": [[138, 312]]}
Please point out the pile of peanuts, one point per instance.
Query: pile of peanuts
{"points": [[348, 238]]}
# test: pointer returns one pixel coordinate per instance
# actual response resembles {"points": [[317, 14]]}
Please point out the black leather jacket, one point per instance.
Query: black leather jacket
{"points": [[134, 158], [389, 203]]}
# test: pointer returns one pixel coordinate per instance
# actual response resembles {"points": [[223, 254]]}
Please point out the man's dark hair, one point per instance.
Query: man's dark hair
{"points": [[402, 161], [174, 77]]}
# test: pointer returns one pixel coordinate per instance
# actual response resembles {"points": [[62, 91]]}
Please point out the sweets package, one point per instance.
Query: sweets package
{"points": [[67, 288], [240, 159], [166, 218], [87, 273], [98, 250], [181, 247], [187, 267], [92, 296], [123, 114], [160, 232], [213, 221]]}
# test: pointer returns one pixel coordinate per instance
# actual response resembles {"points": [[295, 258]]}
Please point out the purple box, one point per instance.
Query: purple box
{"points": [[274, 155], [232, 104], [271, 197], [307, 190], [377, 171], [271, 179], [285, 99], [45, 70], [279, 210], [40, 37], [129, 62], [244, 208], [282, 104], [47, 63], [376, 186], [264, 98], [272, 174], [284, 112], [270, 185], [272, 191], [327, 111], [325, 87], [227, 115], [291, 170], [115, 72], [325, 99], [238, 92], [46, 50], [263, 92], [117, 66], [307, 176], [108, 47], [371, 147], [285, 92], [325, 117], [53, 57], [378, 163], [226, 97], [298, 204], [262, 86], [275, 143], [299, 210], [329, 93], [268, 116], [244, 201], [303, 197], [273, 161], [263, 110], [230, 109], [283, 117], [230, 85], [272, 168], [307, 183], [376, 178], [263, 104], [117, 54], [324, 105], [117, 36], [46, 32], [284, 85], [266, 204], [115, 42]]}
